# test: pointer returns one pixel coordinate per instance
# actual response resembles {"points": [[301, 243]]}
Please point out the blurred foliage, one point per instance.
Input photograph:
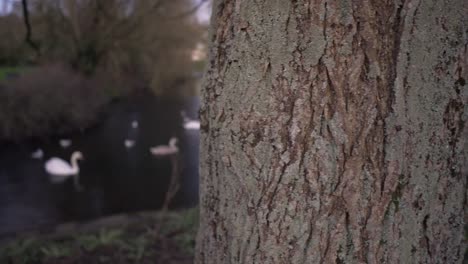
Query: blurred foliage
{"points": [[102, 238], [8, 72], [188, 224], [13, 49], [129, 42], [106, 49], [133, 240], [56, 250], [23, 250], [48, 100]]}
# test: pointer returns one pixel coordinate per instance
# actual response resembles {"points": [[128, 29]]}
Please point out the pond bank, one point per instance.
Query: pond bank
{"points": [[145, 237]]}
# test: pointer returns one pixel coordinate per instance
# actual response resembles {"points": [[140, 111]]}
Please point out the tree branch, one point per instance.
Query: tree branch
{"points": [[29, 39]]}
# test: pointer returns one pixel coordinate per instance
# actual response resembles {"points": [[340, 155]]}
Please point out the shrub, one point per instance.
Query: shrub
{"points": [[47, 100]]}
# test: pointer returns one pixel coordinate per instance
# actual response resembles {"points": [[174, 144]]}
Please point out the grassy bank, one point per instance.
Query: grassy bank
{"points": [[6, 71], [139, 238]]}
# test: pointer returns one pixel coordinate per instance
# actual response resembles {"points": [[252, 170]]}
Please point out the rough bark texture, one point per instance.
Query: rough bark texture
{"points": [[333, 132]]}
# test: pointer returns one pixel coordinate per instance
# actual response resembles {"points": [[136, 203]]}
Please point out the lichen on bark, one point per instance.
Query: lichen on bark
{"points": [[333, 132]]}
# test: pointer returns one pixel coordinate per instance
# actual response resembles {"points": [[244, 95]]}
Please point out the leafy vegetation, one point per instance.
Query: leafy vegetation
{"points": [[127, 43], [5, 72], [187, 227], [103, 238], [105, 49], [48, 100], [23, 251], [56, 250], [136, 242]]}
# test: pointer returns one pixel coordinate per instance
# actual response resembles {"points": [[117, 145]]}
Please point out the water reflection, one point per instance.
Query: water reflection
{"points": [[116, 177]]}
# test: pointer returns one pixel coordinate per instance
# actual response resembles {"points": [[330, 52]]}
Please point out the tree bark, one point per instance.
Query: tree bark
{"points": [[334, 132]]}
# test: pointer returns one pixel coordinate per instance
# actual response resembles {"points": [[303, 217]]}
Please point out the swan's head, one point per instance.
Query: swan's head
{"points": [[65, 143], [77, 155], [129, 143], [173, 141]]}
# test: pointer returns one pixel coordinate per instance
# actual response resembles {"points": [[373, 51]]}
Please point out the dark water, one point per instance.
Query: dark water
{"points": [[116, 179]]}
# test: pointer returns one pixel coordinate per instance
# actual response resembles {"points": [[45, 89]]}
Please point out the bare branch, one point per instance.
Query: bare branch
{"points": [[29, 39], [129, 25]]}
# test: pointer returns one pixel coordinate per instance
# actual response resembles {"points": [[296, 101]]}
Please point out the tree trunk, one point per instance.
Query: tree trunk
{"points": [[333, 132]]}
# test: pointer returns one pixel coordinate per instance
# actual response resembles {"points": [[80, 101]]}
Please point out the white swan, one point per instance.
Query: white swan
{"points": [[134, 124], [165, 150], [38, 154], [65, 143], [60, 170], [190, 124], [129, 143]]}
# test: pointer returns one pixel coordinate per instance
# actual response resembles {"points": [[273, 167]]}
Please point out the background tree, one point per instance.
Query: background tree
{"points": [[13, 30], [148, 41], [101, 49], [334, 132], [27, 23]]}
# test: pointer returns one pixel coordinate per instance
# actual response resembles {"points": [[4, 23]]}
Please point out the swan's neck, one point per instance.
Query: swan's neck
{"points": [[74, 164]]}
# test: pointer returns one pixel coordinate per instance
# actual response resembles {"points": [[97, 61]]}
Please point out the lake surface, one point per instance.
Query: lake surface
{"points": [[116, 179]]}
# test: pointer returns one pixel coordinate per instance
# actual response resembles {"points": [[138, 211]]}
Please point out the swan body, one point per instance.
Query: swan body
{"points": [[165, 150], [190, 124], [60, 170], [38, 154], [65, 143], [129, 143], [134, 124]]}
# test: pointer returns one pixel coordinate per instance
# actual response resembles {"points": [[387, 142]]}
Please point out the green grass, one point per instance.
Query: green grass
{"points": [[187, 224], [23, 251], [6, 70], [135, 241]]}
